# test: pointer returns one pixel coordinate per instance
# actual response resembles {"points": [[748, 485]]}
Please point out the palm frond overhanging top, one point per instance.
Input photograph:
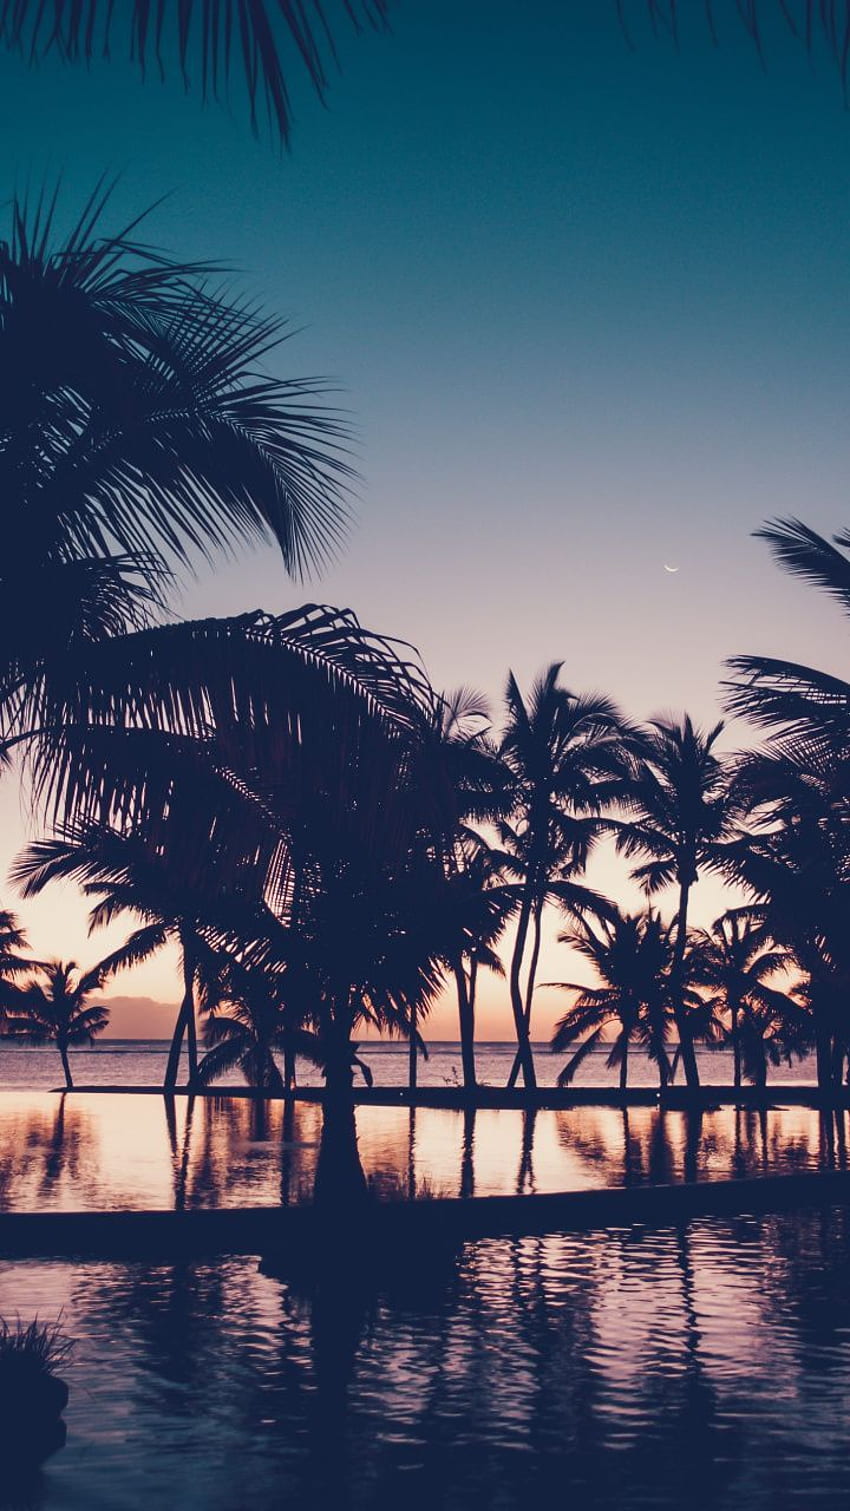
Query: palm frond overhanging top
{"points": [[206, 42]]}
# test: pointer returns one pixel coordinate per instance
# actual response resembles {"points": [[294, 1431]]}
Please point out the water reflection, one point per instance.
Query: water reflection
{"points": [[123, 1151], [707, 1365]]}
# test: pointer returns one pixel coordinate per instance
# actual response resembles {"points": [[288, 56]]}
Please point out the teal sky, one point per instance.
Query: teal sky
{"points": [[587, 306]]}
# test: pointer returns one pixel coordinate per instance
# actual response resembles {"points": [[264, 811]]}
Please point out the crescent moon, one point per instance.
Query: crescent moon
{"points": [[670, 569]]}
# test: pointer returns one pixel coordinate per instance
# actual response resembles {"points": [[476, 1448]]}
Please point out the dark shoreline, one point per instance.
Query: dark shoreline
{"points": [[676, 1098]]}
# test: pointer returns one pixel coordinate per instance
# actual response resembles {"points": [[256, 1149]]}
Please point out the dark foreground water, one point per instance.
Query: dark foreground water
{"points": [[706, 1365]]}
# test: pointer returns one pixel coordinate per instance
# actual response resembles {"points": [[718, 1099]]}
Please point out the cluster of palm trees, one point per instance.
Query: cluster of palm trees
{"points": [[326, 839]]}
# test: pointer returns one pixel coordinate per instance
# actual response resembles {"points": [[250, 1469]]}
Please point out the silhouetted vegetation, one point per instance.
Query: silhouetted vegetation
{"points": [[328, 841]]}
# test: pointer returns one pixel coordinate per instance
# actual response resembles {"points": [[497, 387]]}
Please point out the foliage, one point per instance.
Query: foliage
{"points": [[632, 955], [200, 38], [41, 1347]]}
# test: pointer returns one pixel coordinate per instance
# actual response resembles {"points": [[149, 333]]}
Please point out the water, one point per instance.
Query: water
{"points": [[706, 1365], [141, 1062], [124, 1151]]}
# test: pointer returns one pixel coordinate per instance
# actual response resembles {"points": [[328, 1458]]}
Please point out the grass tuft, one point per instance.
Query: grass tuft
{"points": [[41, 1346]]}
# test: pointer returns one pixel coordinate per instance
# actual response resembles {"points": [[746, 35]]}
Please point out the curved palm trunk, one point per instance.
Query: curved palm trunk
{"points": [[63, 1055], [529, 991], [686, 1042], [185, 1026], [466, 1020], [524, 1058]]}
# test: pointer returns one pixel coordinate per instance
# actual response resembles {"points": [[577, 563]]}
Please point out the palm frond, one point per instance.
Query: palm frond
{"points": [[203, 42]]}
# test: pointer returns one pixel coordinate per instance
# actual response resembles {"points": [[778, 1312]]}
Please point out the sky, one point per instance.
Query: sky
{"points": [[584, 299]]}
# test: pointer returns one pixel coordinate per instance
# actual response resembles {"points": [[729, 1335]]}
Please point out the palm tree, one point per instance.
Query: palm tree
{"points": [[632, 954], [244, 1026], [139, 434], [795, 862], [736, 959], [127, 876], [799, 793], [58, 1011], [682, 814], [12, 963], [478, 904], [566, 757], [482, 907]]}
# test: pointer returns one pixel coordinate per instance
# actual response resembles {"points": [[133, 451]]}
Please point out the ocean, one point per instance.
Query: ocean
{"points": [[141, 1062]]}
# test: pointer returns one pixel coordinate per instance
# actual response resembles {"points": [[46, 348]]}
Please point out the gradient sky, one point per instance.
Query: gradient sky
{"points": [[587, 306]]}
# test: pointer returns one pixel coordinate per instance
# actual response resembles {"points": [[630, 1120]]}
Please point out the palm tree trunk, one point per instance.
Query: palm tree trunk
{"points": [[823, 1051], [411, 1049], [185, 1024], [288, 1067], [529, 991], [524, 1058], [686, 1042], [63, 1055], [466, 1019], [624, 1063], [736, 1047]]}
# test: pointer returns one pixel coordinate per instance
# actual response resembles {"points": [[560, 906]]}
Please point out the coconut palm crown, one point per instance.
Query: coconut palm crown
{"points": [[632, 954], [57, 1010]]}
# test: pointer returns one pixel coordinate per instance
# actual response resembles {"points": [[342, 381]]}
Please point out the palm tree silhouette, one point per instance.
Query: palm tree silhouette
{"points": [[681, 816], [482, 907], [140, 434], [799, 796], [736, 959], [123, 872], [243, 1028], [567, 757], [12, 963], [58, 1010], [633, 956], [795, 864]]}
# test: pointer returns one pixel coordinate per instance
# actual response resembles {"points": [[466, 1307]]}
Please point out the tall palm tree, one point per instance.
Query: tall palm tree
{"points": [[795, 862], [139, 435], [681, 814], [58, 1011], [483, 907], [799, 792], [478, 904], [566, 757], [736, 959], [632, 954]]}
